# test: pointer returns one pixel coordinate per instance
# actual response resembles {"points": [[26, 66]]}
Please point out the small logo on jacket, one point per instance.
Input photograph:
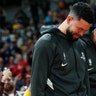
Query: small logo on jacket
{"points": [[50, 84], [64, 56], [90, 62], [83, 56], [64, 64], [90, 69]]}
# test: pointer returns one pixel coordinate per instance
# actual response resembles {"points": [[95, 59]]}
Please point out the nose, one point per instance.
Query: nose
{"points": [[6, 81], [81, 33]]}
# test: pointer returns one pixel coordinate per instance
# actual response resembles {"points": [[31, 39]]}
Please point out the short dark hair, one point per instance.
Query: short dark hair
{"points": [[84, 11]]}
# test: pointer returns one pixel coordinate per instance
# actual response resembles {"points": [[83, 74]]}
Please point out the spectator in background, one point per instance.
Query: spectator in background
{"points": [[27, 79], [16, 24], [8, 84], [27, 82], [22, 17], [24, 52], [61, 4], [19, 82], [19, 41], [49, 18], [6, 52], [20, 65], [31, 25], [11, 65], [29, 32], [14, 48]]}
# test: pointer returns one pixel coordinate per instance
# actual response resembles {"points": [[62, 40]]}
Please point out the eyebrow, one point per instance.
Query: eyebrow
{"points": [[80, 28]]}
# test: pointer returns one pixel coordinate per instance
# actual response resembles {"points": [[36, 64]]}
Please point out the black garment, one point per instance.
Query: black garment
{"points": [[22, 17], [59, 67], [91, 47]]}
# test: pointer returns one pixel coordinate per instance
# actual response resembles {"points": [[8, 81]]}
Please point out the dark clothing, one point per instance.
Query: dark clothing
{"points": [[1, 87], [62, 68], [5, 94], [22, 17], [93, 91], [91, 47]]}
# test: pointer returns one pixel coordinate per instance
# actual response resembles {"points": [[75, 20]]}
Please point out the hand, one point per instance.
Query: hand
{"points": [[7, 74]]}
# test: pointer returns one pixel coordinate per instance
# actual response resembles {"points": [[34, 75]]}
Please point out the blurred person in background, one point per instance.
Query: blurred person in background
{"points": [[19, 70], [8, 85], [11, 65], [20, 65], [21, 16]]}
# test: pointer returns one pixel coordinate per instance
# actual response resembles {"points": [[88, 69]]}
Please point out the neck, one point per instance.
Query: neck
{"points": [[63, 27]]}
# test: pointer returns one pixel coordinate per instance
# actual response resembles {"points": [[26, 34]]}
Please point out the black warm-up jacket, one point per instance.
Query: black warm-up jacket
{"points": [[59, 66]]}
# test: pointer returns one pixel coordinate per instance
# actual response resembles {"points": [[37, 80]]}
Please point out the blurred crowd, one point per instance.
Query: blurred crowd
{"points": [[17, 37]]}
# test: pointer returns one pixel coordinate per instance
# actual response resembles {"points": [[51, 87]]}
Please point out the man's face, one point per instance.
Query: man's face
{"points": [[8, 85], [77, 28]]}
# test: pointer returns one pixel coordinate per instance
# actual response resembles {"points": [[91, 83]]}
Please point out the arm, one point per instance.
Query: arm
{"points": [[42, 60]]}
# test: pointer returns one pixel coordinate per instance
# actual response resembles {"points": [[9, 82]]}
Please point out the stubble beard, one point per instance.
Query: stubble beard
{"points": [[69, 36]]}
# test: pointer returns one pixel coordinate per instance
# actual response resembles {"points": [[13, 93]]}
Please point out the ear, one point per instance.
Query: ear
{"points": [[69, 19]]}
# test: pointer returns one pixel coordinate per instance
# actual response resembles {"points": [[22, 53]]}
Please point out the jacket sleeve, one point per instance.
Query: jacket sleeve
{"points": [[42, 60]]}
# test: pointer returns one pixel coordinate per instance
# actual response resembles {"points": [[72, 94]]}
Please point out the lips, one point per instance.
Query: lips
{"points": [[76, 36]]}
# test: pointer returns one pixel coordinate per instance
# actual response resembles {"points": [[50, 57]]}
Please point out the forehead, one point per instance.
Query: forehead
{"points": [[8, 80], [81, 23]]}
